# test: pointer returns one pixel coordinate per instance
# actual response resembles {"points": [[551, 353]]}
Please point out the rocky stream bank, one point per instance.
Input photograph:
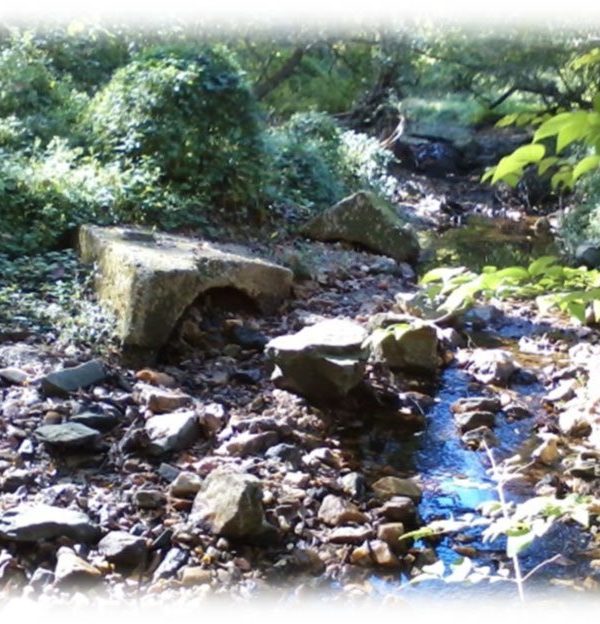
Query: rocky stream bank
{"points": [[284, 453]]}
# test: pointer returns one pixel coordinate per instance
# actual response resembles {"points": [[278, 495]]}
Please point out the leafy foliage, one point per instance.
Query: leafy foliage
{"points": [[553, 285], [192, 115]]}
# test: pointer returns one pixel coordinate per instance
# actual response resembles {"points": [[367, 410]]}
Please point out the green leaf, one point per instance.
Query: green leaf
{"points": [[441, 274], [507, 165], [552, 126], [539, 266], [577, 129], [515, 544], [529, 153], [507, 120], [586, 164], [546, 163]]}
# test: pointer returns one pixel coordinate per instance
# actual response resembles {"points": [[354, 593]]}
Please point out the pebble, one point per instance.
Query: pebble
{"points": [[400, 509], [73, 570], [388, 487], [335, 511], [149, 499], [195, 575], [185, 485]]}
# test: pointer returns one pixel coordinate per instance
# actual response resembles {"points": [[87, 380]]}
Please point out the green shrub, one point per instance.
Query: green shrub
{"points": [[316, 163], [34, 101], [192, 115]]}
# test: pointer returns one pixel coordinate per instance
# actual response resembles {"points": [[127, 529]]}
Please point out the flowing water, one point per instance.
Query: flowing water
{"points": [[457, 480]]}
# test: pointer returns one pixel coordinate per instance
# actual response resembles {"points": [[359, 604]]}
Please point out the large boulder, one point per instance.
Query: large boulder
{"points": [[149, 279], [230, 504], [323, 361], [367, 221]]}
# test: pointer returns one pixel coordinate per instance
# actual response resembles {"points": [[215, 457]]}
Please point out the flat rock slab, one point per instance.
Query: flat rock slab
{"points": [[323, 361], [367, 221], [31, 523], [149, 279], [62, 383], [68, 435]]}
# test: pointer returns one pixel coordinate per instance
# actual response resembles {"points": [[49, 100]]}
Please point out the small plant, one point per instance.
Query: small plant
{"points": [[454, 289]]}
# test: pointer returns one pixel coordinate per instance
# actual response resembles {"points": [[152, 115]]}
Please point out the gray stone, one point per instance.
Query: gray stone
{"points": [[73, 570], [400, 509], [472, 404], [161, 400], [123, 549], [63, 382], [588, 254], [367, 221], [405, 346], [323, 361], [69, 435], [245, 443], [354, 484], [286, 453], [493, 366], [149, 283], [172, 432], [101, 421], [174, 559], [13, 375], [472, 420], [389, 487], [230, 504], [350, 535], [149, 499], [185, 485], [516, 411], [32, 523], [335, 511]]}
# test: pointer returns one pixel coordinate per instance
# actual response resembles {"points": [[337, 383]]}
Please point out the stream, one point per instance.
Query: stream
{"points": [[457, 480]]}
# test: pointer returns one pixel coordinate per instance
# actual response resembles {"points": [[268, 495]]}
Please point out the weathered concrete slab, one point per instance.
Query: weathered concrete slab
{"points": [[149, 279]]}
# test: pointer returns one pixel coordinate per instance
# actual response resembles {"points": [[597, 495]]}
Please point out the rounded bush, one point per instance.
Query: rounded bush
{"points": [[192, 114]]}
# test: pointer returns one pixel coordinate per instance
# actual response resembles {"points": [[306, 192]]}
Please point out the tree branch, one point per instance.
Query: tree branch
{"points": [[270, 83]]}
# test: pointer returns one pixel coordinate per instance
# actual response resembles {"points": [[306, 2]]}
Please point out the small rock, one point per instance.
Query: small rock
{"points": [[335, 511], [491, 366], [195, 575], [72, 570], [245, 443], [354, 484], [68, 435], [374, 552], [547, 452], [248, 338], [100, 421], [149, 499], [288, 453], [388, 487], [350, 535], [563, 392], [390, 533], [212, 418], [13, 376], [230, 504], [467, 421], [123, 549], [476, 404], [156, 378], [41, 577], [174, 559], [172, 432], [14, 478], [307, 560], [573, 423], [516, 411], [400, 509], [168, 472], [62, 383], [160, 401], [185, 485]]}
